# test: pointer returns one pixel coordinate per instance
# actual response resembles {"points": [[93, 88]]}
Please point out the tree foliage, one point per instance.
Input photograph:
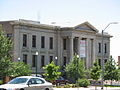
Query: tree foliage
{"points": [[5, 56], [20, 69], [75, 69], [5, 45], [111, 71], [51, 72], [95, 71], [7, 67]]}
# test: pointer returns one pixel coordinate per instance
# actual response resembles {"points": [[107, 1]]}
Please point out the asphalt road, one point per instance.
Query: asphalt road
{"points": [[90, 88]]}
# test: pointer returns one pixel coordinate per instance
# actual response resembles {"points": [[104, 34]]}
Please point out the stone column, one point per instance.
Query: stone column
{"points": [[87, 53], [71, 47]]}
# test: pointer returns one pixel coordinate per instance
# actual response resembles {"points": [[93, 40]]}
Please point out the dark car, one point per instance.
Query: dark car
{"points": [[60, 81]]}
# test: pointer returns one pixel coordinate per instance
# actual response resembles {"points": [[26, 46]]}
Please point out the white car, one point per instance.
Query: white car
{"points": [[27, 83]]}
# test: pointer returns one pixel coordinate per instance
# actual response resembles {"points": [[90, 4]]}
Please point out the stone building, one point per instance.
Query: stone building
{"points": [[34, 42]]}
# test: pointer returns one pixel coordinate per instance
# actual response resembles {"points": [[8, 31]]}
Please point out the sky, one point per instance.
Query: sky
{"points": [[68, 13]]}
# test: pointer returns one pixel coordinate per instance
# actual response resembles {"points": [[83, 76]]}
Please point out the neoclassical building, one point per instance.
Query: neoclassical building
{"points": [[38, 44]]}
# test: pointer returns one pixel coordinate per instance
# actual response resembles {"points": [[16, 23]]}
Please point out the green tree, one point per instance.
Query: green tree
{"points": [[7, 67], [95, 71], [51, 72], [111, 71], [20, 69], [75, 69], [5, 54]]}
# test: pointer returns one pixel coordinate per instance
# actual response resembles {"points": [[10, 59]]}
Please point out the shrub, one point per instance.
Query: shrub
{"points": [[83, 82], [1, 82]]}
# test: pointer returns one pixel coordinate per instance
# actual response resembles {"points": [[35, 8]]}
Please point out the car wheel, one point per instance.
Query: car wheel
{"points": [[21, 89], [47, 89]]}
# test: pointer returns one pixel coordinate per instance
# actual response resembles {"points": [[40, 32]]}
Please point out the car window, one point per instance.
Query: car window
{"points": [[39, 81], [36, 81], [18, 81]]}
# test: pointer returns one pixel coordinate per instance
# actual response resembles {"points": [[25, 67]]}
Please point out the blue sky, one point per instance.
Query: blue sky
{"points": [[68, 13]]}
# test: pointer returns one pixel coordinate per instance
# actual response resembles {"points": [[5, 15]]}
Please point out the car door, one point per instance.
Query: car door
{"points": [[36, 84]]}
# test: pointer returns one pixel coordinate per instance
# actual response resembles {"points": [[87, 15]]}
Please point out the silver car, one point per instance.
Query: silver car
{"points": [[27, 83]]}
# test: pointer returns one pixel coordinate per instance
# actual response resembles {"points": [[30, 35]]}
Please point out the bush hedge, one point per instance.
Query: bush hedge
{"points": [[83, 83]]}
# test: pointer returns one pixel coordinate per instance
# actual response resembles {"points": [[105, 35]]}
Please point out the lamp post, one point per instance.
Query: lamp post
{"points": [[77, 70], [36, 61], [102, 61]]}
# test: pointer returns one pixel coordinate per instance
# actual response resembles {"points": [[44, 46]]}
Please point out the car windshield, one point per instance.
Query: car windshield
{"points": [[18, 81]]}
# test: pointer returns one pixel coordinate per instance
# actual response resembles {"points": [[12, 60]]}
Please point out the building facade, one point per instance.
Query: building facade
{"points": [[35, 43]]}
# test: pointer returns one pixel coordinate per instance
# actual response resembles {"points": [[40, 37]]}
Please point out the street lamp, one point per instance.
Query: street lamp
{"points": [[19, 59], [56, 60], [102, 61], [36, 61]]}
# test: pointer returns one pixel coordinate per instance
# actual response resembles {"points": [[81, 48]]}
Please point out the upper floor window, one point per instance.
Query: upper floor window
{"points": [[51, 43], [64, 44], [42, 42], [99, 47], [24, 40], [25, 58], [105, 48], [33, 40]]}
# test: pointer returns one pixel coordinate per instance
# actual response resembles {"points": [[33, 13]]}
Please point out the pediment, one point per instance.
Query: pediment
{"points": [[86, 26]]}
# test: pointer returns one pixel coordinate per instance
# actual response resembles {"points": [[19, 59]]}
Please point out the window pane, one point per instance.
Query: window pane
{"points": [[42, 42], [24, 40], [99, 47], [64, 44], [25, 58], [51, 43], [42, 60], [34, 60], [51, 59], [33, 41]]}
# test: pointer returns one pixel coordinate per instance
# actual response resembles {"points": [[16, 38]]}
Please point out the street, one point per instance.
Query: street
{"points": [[90, 88]]}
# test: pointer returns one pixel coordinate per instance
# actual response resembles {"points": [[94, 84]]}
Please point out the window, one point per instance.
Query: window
{"points": [[51, 42], [25, 58], [42, 60], [36, 81], [33, 41], [105, 48], [51, 59], [42, 42], [24, 40], [65, 61], [64, 44], [34, 57], [99, 47]]}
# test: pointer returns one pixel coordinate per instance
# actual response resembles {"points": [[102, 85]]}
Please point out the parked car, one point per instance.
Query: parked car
{"points": [[60, 81], [27, 83]]}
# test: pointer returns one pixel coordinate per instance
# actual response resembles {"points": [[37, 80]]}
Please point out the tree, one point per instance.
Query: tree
{"points": [[5, 55], [111, 71], [51, 72], [75, 69], [20, 69], [7, 67], [95, 71]]}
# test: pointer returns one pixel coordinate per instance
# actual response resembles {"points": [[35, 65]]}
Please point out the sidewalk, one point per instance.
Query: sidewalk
{"points": [[90, 88]]}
